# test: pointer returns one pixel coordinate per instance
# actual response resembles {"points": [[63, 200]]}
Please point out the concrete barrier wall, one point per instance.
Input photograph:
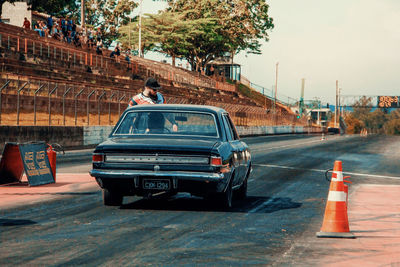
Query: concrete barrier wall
{"points": [[65, 136], [267, 130], [93, 135], [90, 136]]}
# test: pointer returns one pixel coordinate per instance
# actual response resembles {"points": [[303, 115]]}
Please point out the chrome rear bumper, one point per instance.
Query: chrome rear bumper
{"points": [[131, 174]]}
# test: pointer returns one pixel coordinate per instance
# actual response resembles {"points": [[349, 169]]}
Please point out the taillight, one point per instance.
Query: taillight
{"points": [[216, 161], [97, 157]]}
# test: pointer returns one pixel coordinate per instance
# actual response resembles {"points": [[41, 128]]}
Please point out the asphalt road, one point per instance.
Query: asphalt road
{"points": [[287, 193]]}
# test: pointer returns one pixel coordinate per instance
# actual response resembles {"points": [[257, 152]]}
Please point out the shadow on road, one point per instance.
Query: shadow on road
{"points": [[15, 222], [252, 204]]}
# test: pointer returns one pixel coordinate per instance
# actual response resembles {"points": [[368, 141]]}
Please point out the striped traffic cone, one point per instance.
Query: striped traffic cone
{"points": [[336, 222]]}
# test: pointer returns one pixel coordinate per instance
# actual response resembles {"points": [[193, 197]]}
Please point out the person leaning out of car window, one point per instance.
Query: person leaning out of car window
{"points": [[149, 96]]}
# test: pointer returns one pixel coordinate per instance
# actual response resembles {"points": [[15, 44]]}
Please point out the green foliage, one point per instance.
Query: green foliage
{"points": [[202, 30], [107, 16], [354, 125], [392, 126], [55, 7], [132, 41], [376, 121]]}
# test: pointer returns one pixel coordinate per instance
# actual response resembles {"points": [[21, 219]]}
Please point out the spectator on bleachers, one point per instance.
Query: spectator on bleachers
{"points": [[26, 24], [50, 24], [98, 34], [57, 32], [128, 56], [45, 30], [69, 24], [37, 29], [77, 40], [90, 39], [64, 29], [113, 53], [84, 39], [117, 53], [73, 32], [99, 46]]}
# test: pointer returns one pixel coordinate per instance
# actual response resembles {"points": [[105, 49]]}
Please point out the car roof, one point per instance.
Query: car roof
{"points": [[177, 107]]}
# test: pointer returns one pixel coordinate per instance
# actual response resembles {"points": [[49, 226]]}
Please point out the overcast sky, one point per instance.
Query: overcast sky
{"points": [[356, 42]]}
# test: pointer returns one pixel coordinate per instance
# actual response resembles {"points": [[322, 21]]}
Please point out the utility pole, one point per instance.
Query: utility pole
{"points": [[140, 28], [82, 14], [336, 102], [265, 99], [301, 102], [130, 22], [276, 85], [339, 104]]}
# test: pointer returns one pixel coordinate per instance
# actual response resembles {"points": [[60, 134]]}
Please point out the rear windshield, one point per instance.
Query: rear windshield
{"points": [[167, 123]]}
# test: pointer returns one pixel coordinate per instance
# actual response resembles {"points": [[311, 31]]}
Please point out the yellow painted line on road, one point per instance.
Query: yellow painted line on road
{"points": [[318, 170]]}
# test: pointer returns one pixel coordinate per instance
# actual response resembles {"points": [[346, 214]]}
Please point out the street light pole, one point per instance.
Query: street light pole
{"points": [[276, 84], [340, 104], [130, 22], [336, 103], [140, 28], [82, 14]]}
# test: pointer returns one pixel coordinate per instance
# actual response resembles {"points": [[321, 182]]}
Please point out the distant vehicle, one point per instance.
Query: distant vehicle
{"points": [[333, 130], [143, 156]]}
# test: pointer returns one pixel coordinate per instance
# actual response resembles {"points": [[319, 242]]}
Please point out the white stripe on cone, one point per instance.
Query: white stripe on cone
{"points": [[339, 176], [336, 196]]}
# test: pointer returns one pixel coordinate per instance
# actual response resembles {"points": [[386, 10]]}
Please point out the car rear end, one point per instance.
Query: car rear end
{"points": [[137, 160]]}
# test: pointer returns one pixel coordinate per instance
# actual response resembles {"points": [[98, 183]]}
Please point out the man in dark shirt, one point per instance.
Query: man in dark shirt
{"points": [[50, 24], [113, 53]]}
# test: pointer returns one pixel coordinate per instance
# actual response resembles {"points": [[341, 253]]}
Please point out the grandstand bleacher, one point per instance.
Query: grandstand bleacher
{"points": [[46, 82]]}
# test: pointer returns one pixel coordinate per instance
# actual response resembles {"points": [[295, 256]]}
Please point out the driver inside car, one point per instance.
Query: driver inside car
{"points": [[156, 123]]}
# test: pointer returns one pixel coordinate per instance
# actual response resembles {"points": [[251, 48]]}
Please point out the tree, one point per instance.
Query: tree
{"points": [[55, 7], [148, 41], [107, 16], [377, 121], [202, 30], [362, 108], [222, 27], [354, 125], [392, 126]]}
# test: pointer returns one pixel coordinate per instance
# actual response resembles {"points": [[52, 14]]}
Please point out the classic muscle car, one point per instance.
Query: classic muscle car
{"points": [[146, 156]]}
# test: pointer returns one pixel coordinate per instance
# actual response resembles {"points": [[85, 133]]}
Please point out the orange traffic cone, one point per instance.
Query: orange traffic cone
{"points": [[336, 222]]}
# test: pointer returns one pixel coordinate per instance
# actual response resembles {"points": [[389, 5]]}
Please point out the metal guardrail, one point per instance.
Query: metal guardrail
{"points": [[67, 101], [281, 98]]}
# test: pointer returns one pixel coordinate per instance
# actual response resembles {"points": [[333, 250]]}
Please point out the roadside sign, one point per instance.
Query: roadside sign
{"points": [[388, 101], [36, 163], [11, 166]]}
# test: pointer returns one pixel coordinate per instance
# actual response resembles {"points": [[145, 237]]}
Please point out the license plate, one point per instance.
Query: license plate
{"points": [[156, 184]]}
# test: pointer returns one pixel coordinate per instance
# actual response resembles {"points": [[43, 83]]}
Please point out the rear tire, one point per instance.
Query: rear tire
{"points": [[112, 198], [241, 193], [227, 196]]}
